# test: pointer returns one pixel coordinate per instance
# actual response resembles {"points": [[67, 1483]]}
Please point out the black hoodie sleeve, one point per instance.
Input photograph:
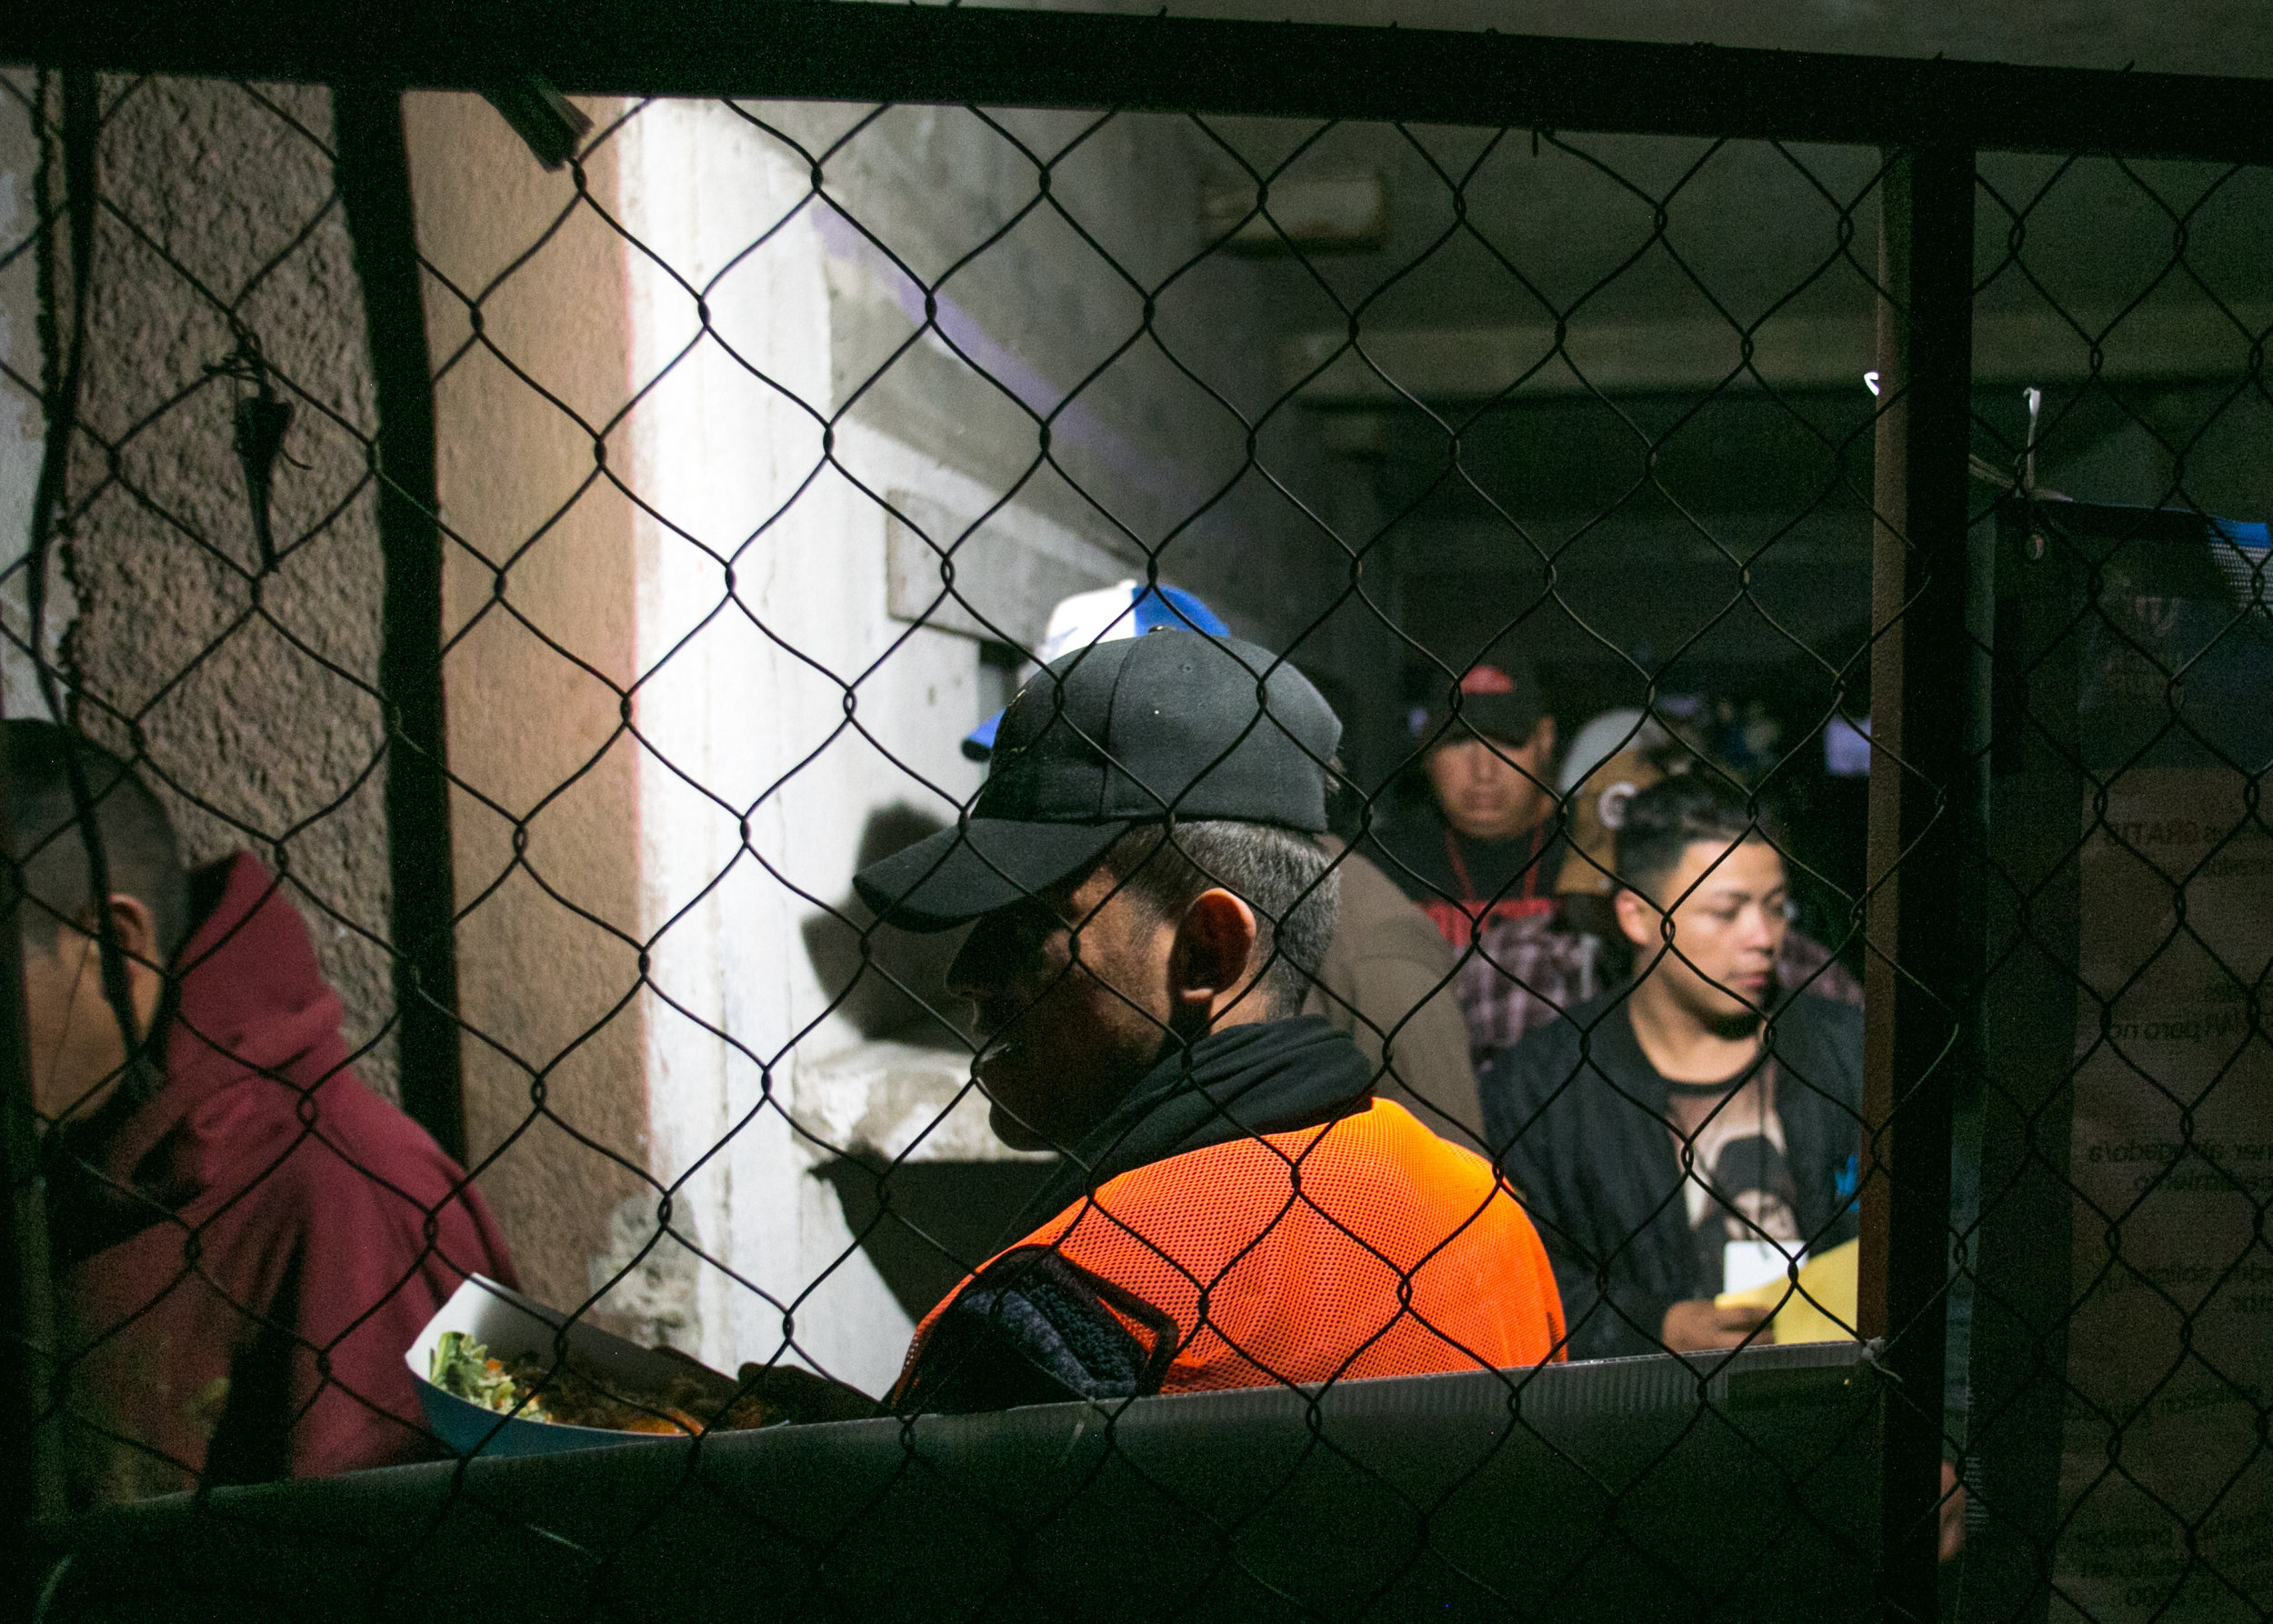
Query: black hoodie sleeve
{"points": [[1819, 1096], [1545, 1111]]}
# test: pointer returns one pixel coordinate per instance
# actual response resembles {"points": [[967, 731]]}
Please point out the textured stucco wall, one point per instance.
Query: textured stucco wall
{"points": [[252, 693], [536, 586]]}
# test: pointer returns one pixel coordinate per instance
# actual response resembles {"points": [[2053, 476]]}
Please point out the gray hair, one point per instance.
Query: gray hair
{"points": [[1286, 877]]}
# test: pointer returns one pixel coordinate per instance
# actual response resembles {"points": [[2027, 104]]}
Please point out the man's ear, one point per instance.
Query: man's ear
{"points": [[1640, 919], [137, 929], [1543, 737], [1208, 960]]}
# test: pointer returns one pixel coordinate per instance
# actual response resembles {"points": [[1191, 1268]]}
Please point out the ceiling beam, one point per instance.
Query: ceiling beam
{"points": [[2154, 343], [938, 53]]}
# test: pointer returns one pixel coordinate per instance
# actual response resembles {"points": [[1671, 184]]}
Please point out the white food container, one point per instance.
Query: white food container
{"points": [[510, 1324]]}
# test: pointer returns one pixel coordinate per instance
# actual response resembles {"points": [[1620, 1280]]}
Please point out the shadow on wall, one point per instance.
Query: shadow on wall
{"points": [[923, 1224], [890, 985], [926, 1225]]}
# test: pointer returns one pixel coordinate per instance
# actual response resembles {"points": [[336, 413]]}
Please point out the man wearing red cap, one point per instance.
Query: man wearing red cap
{"points": [[1482, 861], [1484, 855]]}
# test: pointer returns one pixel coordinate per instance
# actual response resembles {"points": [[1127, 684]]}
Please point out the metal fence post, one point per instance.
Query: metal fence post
{"points": [[30, 1463], [373, 167], [31, 1477], [1925, 964], [2022, 1251]]}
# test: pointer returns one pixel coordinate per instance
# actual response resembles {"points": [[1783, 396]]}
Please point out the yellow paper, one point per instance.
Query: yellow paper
{"points": [[1822, 1309]]}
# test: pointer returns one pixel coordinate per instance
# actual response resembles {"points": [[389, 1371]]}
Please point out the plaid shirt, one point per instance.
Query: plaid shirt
{"points": [[1524, 971]]}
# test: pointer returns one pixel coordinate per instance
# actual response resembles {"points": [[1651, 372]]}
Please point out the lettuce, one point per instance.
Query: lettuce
{"points": [[463, 1367]]}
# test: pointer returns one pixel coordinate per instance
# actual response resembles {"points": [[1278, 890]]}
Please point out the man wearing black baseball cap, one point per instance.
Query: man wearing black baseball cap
{"points": [[1146, 895]]}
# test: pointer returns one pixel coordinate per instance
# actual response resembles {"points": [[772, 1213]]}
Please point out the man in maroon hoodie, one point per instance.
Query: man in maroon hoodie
{"points": [[246, 1238]]}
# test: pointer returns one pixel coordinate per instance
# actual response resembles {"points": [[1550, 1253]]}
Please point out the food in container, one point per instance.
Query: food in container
{"points": [[502, 1374], [569, 1391]]}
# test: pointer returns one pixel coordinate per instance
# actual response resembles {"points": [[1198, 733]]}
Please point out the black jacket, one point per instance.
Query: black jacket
{"points": [[1579, 1118]]}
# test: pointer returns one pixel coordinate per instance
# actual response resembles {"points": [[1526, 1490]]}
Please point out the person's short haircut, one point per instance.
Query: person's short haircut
{"points": [[1663, 821], [139, 850], [1284, 876]]}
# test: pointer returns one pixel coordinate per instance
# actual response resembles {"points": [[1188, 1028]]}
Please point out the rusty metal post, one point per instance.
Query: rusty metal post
{"points": [[1924, 965], [373, 173]]}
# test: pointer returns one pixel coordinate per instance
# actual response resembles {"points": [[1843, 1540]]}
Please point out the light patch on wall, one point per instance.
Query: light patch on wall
{"points": [[649, 1280], [1007, 571], [1329, 213], [23, 425], [787, 713], [716, 452]]}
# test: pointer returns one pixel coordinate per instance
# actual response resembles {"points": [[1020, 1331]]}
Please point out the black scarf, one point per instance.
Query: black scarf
{"points": [[1273, 1076]]}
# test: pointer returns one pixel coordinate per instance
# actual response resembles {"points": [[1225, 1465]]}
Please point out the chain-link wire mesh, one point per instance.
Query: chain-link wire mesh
{"points": [[1238, 1221], [2126, 636]]}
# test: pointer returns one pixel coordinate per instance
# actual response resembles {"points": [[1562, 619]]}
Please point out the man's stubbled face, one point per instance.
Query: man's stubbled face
{"points": [[1069, 993], [1493, 790]]}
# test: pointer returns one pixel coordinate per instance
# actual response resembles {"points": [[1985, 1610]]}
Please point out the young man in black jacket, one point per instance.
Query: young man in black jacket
{"points": [[1696, 1130]]}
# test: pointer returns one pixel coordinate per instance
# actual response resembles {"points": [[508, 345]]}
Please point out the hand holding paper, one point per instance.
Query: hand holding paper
{"points": [[1821, 1309]]}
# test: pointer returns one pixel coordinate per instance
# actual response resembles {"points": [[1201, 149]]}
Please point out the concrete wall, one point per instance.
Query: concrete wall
{"points": [[1039, 317], [251, 693], [762, 586]]}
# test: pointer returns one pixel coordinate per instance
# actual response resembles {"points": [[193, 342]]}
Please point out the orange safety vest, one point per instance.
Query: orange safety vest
{"points": [[1364, 1247]]}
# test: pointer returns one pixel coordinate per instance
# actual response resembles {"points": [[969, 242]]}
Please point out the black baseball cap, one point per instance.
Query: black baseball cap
{"points": [[1174, 724], [1500, 703]]}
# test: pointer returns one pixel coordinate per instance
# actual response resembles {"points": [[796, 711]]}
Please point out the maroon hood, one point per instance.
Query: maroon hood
{"points": [[254, 1031], [298, 1229]]}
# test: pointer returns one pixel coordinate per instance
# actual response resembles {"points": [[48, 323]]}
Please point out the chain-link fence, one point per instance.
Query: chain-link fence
{"points": [[1285, 867]]}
